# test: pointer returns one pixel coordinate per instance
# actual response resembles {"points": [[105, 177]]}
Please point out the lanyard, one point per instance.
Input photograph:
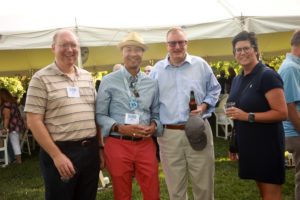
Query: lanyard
{"points": [[133, 102]]}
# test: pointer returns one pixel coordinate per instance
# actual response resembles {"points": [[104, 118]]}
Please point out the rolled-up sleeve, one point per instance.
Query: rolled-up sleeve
{"points": [[102, 109], [155, 113], [213, 90]]}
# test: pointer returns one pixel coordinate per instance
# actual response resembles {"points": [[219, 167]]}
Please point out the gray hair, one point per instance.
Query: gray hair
{"points": [[295, 40], [175, 29]]}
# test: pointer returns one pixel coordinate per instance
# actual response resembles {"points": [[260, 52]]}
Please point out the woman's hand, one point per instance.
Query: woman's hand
{"points": [[234, 157], [4, 131], [236, 113]]}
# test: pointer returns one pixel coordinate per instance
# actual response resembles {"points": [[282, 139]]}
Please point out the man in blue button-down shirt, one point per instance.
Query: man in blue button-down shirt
{"points": [[127, 109], [178, 75]]}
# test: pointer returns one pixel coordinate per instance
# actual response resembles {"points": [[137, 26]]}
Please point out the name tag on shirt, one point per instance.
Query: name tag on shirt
{"points": [[132, 118], [73, 92]]}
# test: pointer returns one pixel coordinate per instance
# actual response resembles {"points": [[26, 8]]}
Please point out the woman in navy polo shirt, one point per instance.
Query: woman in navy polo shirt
{"points": [[260, 108]]}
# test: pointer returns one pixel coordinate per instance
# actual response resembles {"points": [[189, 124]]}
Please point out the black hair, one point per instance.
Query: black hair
{"points": [[245, 35]]}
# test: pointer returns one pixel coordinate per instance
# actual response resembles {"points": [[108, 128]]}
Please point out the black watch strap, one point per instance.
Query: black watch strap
{"points": [[251, 117]]}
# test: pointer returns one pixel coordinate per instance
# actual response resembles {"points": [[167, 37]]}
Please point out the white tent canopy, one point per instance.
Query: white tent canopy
{"points": [[27, 27]]}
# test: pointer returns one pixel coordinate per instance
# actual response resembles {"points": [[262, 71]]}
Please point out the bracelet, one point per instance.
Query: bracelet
{"points": [[101, 147]]}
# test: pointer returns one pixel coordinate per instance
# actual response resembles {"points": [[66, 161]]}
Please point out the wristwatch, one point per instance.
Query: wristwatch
{"points": [[116, 128], [251, 117]]}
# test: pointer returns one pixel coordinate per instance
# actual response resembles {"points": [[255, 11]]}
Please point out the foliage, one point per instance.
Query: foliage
{"points": [[224, 65], [274, 61], [13, 85], [22, 182]]}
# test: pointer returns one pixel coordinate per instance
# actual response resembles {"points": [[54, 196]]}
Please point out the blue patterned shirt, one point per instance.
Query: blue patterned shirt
{"points": [[113, 100]]}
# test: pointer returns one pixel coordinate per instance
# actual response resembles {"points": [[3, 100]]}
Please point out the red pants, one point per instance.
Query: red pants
{"points": [[124, 158]]}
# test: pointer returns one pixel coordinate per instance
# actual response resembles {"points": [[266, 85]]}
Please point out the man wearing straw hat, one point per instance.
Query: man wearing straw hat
{"points": [[127, 110]]}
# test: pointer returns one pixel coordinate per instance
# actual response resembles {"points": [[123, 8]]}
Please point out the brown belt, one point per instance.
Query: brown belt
{"points": [[83, 143], [175, 127]]}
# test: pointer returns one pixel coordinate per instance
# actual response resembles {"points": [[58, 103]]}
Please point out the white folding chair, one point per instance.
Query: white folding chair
{"points": [[4, 149], [24, 140], [221, 118], [104, 182]]}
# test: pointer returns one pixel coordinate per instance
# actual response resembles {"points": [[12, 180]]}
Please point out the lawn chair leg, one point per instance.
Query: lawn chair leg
{"points": [[101, 177]]}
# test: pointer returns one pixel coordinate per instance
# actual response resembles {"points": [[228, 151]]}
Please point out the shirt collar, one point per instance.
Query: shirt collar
{"points": [[293, 58], [59, 72], [128, 76], [188, 59], [255, 69]]}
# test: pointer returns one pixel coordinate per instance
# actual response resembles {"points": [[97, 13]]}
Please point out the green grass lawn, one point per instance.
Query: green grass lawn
{"points": [[21, 182]]}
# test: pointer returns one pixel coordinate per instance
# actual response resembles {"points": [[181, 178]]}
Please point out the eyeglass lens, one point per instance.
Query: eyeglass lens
{"points": [[180, 43], [239, 50]]}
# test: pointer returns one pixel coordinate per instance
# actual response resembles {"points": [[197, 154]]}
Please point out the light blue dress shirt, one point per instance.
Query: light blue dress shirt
{"points": [[290, 74], [176, 83], [113, 100]]}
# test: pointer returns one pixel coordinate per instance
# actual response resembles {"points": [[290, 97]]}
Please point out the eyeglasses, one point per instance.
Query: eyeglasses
{"points": [[136, 93], [66, 46], [135, 49], [181, 43], [239, 50], [147, 70]]}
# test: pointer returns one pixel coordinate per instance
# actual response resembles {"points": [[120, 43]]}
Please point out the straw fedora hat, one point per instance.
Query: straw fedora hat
{"points": [[133, 39]]}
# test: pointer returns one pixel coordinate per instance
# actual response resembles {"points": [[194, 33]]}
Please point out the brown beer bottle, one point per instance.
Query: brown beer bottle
{"points": [[193, 103]]}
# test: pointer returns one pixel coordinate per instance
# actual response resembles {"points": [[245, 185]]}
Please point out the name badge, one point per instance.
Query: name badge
{"points": [[132, 118], [73, 92]]}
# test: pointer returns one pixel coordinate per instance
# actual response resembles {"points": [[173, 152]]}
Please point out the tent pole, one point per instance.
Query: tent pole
{"points": [[79, 59]]}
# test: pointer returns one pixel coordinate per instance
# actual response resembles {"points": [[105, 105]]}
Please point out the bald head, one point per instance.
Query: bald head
{"points": [[62, 32], [117, 67]]}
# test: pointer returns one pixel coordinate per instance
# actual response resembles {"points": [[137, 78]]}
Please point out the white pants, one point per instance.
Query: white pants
{"points": [[179, 159], [14, 138]]}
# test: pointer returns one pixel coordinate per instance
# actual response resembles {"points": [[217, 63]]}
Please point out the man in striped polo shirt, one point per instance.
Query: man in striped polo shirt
{"points": [[60, 109]]}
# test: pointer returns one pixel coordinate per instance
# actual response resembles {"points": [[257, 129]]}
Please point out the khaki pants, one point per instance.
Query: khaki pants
{"points": [[293, 146], [178, 159]]}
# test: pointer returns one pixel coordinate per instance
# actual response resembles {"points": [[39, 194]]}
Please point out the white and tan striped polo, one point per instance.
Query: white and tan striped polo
{"points": [[66, 118]]}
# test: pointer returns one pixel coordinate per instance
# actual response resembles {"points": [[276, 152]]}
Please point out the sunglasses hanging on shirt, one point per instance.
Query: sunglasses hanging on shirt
{"points": [[132, 85]]}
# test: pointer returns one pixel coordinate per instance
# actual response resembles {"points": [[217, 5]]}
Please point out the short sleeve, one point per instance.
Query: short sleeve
{"points": [[36, 100], [291, 84], [270, 80]]}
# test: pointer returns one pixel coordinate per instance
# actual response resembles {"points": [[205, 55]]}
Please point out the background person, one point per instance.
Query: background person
{"points": [[230, 78], [13, 123], [222, 81], [148, 69], [177, 75], [98, 82], [127, 111], [259, 109], [117, 67], [60, 108], [290, 74]]}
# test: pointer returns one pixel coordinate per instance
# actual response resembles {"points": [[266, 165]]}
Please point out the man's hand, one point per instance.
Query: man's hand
{"points": [[150, 130], [64, 165], [136, 130], [102, 160], [198, 111]]}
